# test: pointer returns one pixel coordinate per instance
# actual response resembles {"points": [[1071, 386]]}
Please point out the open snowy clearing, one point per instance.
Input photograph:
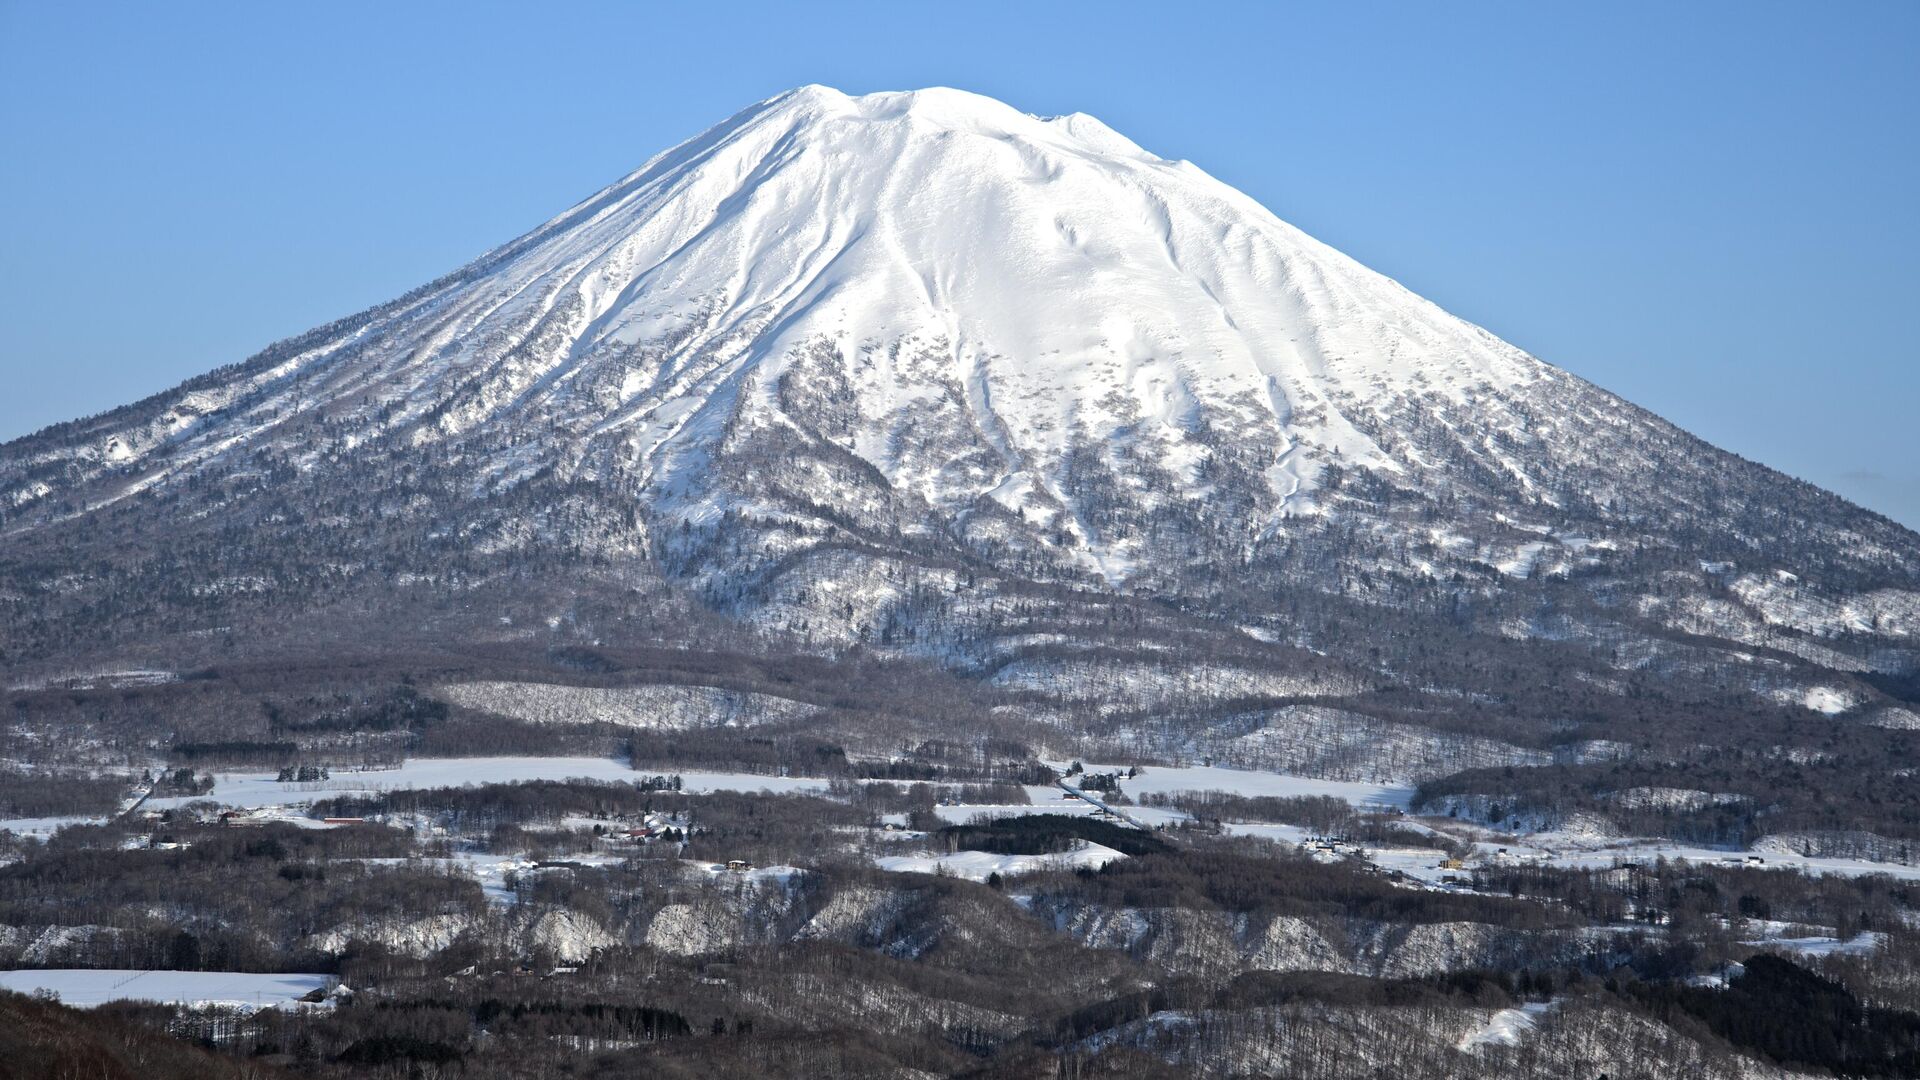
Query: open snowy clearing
{"points": [[1045, 799], [1585, 852], [1507, 1027], [980, 865], [701, 782], [1167, 780], [1864, 942], [41, 826], [87, 987], [1552, 849], [1279, 834], [258, 789], [1574, 851], [782, 876]]}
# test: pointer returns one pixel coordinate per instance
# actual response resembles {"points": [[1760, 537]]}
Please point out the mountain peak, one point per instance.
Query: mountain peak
{"points": [[1024, 335], [945, 109], [1029, 286]]}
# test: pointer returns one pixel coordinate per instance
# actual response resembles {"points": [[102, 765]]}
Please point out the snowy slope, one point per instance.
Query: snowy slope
{"points": [[895, 370], [930, 242]]}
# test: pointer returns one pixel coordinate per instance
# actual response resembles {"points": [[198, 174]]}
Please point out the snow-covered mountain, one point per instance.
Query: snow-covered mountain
{"points": [[1027, 286], [923, 373]]}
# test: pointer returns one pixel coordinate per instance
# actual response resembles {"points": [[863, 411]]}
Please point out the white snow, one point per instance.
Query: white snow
{"points": [[1783, 599], [87, 987], [1572, 848], [665, 707], [263, 789], [1584, 850], [699, 782], [979, 865], [776, 875], [1279, 834], [1864, 942], [1167, 780], [415, 937], [1521, 563], [1047, 799], [1828, 700], [922, 245], [43, 826], [1507, 1027], [97, 680], [1896, 718]]}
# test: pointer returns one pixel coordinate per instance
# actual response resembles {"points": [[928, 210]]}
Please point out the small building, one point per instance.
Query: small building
{"points": [[739, 866]]}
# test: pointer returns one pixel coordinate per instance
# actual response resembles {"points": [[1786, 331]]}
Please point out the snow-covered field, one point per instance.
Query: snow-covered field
{"points": [[41, 826], [665, 707], [1279, 834], [87, 987], [1864, 942], [1568, 849], [1579, 850], [725, 781], [979, 865], [776, 875], [1049, 800], [256, 789], [1573, 850], [1163, 780], [963, 813]]}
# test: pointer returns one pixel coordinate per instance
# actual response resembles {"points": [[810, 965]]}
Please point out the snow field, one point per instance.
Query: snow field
{"points": [[1865, 941], [980, 865], [253, 790], [88, 987], [41, 826], [1166, 780]]}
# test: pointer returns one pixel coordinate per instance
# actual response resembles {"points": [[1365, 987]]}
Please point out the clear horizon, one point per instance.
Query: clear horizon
{"points": [[1706, 211]]}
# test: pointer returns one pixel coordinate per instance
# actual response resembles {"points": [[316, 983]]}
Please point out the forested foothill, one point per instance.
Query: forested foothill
{"points": [[923, 902], [912, 894]]}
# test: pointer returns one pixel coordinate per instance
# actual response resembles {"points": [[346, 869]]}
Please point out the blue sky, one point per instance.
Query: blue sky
{"points": [[1709, 208]]}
